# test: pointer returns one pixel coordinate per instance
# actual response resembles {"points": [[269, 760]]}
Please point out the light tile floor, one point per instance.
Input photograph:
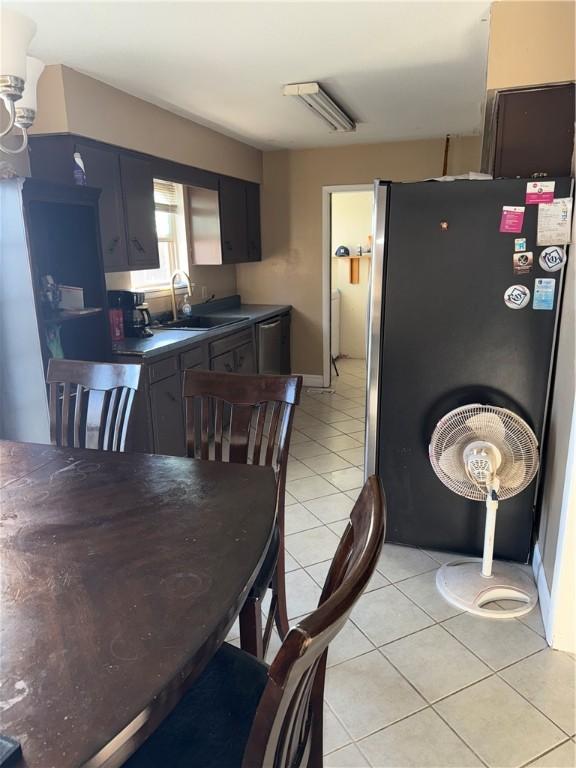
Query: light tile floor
{"points": [[411, 680]]}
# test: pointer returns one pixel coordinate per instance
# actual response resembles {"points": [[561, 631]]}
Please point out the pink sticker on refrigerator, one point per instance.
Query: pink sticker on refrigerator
{"points": [[540, 192], [512, 218]]}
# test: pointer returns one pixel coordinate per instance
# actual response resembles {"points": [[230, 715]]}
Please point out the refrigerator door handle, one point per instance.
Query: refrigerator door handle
{"points": [[375, 304]]}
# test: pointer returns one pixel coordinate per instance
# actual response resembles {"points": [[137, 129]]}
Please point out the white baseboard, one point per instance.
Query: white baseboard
{"points": [[313, 380], [543, 592]]}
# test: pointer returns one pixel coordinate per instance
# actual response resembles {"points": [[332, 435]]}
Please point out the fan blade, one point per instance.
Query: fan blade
{"points": [[451, 462], [489, 426], [514, 477]]}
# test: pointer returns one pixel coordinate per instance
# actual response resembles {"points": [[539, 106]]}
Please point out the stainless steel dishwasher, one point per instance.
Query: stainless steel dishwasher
{"points": [[273, 338]]}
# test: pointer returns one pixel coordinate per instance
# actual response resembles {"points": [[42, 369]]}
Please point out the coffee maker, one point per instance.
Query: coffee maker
{"points": [[135, 312]]}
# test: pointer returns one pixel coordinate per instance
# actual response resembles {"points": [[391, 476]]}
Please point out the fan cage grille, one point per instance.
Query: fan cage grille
{"points": [[507, 431]]}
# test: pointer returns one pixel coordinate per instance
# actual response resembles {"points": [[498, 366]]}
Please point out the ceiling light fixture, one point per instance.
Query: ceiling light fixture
{"points": [[323, 105], [19, 75]]}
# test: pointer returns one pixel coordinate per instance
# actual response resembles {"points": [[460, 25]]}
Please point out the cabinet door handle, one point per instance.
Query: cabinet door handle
{"points": [[138, 245], [170, 396], [228, 367], [113, 243], [228, 245], [269, 325]]}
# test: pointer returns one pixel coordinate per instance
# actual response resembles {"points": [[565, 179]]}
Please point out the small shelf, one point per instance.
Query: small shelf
{"points": [[64, 315], [354, 266], [364, 256]]}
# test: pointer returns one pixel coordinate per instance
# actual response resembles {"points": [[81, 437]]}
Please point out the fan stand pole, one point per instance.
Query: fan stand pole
{"points": [[491, 508]]}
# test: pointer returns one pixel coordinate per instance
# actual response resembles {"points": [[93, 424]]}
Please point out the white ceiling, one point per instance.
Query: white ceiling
{"points": [[405, 70]]}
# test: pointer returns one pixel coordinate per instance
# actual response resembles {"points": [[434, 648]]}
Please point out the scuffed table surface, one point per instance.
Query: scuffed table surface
{"points": [[121, 574]]}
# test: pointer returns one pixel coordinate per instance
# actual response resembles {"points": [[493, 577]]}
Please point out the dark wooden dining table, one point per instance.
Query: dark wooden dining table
{"points": [[121, 575]]}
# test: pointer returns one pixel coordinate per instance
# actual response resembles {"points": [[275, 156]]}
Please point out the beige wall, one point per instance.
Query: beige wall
{"points": [[560, 423], [531, 43], [291, 269], [351, 220], [71, 102], [220, 281]]}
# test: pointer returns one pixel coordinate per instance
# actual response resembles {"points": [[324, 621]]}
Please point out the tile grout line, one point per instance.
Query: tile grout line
{"points": [[547, 752], [341, 724], [431, 705], [492, 673], [532, 653], [460, 737], [532, 704]]}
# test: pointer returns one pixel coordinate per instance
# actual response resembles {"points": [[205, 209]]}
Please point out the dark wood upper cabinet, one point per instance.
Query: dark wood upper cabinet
{"points": [[127, 218], [530, 132], [233, 220], [253, 221], [103, 170], [138, 190]]}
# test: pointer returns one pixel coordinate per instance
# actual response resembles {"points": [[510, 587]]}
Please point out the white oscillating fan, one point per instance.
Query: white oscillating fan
{"points": [[488, 454]]}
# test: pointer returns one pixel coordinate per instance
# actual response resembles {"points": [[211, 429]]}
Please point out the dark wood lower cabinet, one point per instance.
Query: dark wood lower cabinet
{"points": [[158, 419], [168, 416], [223, 362], [245, 359]]}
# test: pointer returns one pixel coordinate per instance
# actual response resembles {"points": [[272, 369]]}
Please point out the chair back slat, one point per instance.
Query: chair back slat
{"points": [[240, 421], [110, 420], [95, 417], [53, 411], [218, 429], [259, 424], [205, 421], [240, 416], [78, 407], [287, 729], [191, 423], [66, 408], [90, 403], [118, 417], [126, 411], [273, 435]]}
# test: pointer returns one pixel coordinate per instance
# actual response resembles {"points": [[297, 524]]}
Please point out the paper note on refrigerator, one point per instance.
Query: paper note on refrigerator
{"points": [[554, 220], [544, 293], [539, 192], [512, 218]]}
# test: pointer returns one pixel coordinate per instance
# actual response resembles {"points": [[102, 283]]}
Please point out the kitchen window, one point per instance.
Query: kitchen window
{"points": [[170, 229]]}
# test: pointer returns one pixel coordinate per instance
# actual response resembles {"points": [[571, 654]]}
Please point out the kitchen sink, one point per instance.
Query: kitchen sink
{"points": [[202, 322]]}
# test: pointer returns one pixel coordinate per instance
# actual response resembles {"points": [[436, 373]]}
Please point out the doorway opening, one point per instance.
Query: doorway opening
{"points": [[347, 220]]}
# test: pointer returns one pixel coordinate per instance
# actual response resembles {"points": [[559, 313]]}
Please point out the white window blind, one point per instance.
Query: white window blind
{"points": [[165, 196]]}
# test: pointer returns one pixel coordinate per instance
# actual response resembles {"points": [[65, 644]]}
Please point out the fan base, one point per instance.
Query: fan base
{"points": [[462, 584]]}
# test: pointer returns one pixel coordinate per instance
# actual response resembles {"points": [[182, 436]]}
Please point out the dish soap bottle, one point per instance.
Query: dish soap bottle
{"points": [[186, 307]]}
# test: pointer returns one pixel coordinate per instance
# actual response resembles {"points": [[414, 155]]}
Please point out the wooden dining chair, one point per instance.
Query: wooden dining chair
{"points": [[90, 403], [241, 713], [248, 420]]}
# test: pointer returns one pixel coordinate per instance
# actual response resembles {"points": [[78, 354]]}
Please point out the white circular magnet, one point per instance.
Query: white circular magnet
{"points": [[516, 296], [552, 258]]}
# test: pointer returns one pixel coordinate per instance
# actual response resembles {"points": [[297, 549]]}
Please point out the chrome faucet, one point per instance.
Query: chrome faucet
{"points": [[191, 286]]}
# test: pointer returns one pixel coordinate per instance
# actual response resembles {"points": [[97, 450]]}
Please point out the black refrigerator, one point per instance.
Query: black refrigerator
{"points": [[464, 309]]}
